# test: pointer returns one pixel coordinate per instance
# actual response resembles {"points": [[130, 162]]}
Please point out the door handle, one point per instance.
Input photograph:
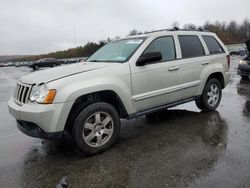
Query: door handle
{"points": [[174, 68], [205, 63]]}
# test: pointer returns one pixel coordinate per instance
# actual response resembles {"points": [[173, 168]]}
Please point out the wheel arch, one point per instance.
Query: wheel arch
{"points": [[219, 76], [85, 100], [207, 76]]}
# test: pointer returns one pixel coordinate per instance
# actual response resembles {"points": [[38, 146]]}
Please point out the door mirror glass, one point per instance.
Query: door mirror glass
{"points": [[149, 57]]}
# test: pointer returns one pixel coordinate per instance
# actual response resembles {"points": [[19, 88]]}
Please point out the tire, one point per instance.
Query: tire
{"points": [[96, 128], [211, 96], [244, 77], [54, 65], [36, 67]]}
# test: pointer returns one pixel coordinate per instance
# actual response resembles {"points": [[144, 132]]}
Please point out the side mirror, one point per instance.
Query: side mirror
{"points": [[149, 58]]}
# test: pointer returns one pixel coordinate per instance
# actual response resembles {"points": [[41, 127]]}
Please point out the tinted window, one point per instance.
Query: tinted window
{"points": [[165, 45], [191, 46], [213, 45]]}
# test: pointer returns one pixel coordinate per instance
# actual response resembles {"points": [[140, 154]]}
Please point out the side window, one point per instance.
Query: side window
{"points": [[212, 44], [165, 45], [191, 46]]}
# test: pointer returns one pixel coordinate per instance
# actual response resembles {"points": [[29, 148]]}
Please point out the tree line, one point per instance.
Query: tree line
{"points": [[229, 32]]}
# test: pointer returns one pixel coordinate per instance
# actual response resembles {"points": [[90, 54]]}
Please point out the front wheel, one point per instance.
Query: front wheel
{"points": [[96, 128], [36, 67], [211, 96]]}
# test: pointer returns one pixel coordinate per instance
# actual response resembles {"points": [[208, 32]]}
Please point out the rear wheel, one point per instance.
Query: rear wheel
{"points": [[211, 96], [96, 128]]}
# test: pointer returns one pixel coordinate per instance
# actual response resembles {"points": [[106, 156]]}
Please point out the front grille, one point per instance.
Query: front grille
{"points": [[22, 93]]}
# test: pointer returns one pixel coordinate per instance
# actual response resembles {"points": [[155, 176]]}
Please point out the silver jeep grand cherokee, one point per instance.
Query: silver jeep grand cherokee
{"points": [[126, 78]]}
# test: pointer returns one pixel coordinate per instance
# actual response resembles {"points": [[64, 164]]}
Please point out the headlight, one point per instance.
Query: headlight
{"points": [[41, 94], [243, 62]]}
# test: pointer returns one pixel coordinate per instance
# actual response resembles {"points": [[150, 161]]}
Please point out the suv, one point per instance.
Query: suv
{"points": [[46, 62], [124, 79]]}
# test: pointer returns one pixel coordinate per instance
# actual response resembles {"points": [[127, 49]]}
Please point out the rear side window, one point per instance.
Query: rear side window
{"points": [[191, 46], [212, 44], [165, 45]]}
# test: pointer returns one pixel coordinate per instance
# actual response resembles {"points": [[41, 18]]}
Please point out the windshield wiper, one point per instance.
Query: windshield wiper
{"points": [[108, 61], [94, 60]]}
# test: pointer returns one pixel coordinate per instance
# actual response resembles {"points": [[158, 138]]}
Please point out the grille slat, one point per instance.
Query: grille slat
{"points": [[25, 94], [18, 91], [22, 93], [28, 94]]}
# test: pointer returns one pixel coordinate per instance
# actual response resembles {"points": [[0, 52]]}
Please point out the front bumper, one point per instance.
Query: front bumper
{"points": [[33, 130], [244, 70], [40, 120]]}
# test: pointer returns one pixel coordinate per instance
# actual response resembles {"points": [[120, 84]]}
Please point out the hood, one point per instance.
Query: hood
{"points": [[248, 45], [56, 73]]}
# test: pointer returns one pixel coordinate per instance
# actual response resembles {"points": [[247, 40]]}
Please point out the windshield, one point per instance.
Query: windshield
{"points": [[117, 51]]}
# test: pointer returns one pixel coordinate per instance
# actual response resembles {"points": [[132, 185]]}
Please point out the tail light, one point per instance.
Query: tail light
{"points": [[228, 61]]}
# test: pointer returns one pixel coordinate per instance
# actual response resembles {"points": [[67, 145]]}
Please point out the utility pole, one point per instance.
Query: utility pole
{"points": [[74, 30]]}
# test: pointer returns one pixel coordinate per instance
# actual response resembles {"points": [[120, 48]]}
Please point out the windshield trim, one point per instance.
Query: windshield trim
{"points": [[128, 58]]}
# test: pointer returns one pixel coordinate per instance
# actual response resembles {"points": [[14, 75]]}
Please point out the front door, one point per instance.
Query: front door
{"points": [[157, 83]]}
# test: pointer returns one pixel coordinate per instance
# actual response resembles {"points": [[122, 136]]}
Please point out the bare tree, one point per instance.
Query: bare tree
{"points": [[133, 32], [190, 26], [175, 24]]}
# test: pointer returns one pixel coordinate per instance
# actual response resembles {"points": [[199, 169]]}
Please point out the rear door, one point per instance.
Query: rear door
{"points": [[157, 83], [193, 60]]}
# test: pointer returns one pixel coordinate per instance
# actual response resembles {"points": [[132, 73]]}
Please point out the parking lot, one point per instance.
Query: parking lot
{"points": [[179, 147]]}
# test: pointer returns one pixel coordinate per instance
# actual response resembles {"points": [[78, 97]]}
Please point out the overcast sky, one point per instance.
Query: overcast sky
{"points": [[41, 26]]}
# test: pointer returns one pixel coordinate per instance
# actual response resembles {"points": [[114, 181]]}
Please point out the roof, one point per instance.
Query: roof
{"points": [[171, 31]]}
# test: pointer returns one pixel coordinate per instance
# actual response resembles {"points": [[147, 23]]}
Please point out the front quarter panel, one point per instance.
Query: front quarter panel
{"points": [[115, 78]]}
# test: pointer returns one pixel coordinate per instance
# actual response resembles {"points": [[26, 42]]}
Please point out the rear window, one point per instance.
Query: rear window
{"points": [[191, 46], [212, 44]]}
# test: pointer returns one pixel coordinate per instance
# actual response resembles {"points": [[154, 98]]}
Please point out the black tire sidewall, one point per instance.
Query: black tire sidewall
{"points": [[205, 105], [36, 67], [83, 116]]}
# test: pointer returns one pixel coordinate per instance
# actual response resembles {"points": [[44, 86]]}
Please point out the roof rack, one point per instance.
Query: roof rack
{"points": [[177, 29]]}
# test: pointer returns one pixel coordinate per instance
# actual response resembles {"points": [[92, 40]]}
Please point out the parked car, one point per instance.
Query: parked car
{"points": [[9, 64], [73, 60], [241, 52], [46, 62], [23, 64], [124, 79], [234, 52], [70, 61], [244, 65]]}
